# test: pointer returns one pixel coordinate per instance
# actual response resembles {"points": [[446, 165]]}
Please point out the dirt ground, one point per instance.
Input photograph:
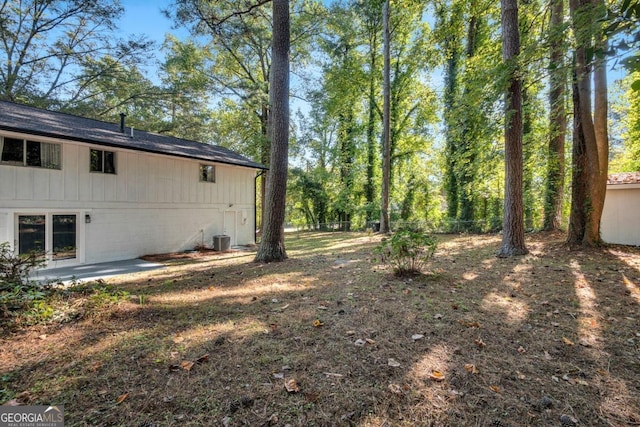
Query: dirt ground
{"points": [[331, 338]]}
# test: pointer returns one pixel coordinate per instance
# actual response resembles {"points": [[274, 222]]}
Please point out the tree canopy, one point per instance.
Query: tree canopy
{"points": [[448, 156]]}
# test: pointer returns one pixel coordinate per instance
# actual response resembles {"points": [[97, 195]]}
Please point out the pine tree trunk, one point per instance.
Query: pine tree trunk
{"points": [[272, 245], [265, 154], [554, 192], [513, 220]]}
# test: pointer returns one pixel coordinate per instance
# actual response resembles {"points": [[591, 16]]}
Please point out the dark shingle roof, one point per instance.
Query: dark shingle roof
{"points": [[36, 121]]}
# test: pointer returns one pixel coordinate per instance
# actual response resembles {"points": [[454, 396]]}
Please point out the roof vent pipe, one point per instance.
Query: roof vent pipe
{"points": [[122, 116]]}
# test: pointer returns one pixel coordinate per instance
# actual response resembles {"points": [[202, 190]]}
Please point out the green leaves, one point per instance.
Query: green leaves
{"points": [[622, 29], [407, 252], [45, 43]]}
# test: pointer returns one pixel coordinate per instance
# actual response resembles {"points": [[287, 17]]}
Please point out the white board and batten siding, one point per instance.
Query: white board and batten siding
{"points": [[152, 204], [620, 222]]}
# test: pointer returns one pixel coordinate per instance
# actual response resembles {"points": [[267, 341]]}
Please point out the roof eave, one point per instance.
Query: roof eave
{"points": [[249, 164]]}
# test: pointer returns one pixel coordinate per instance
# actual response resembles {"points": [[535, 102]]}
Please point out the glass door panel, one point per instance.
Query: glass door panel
{"points": [[64, 244], [31, 233]]}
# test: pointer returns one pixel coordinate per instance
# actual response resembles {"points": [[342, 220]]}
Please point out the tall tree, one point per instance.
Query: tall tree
{"points": [[239, 39], [238, 34], [124, 89], [579, 175], [411, 100], [469, 46], [533, 34], [187, 91], [272, 246], [513, 220], [44, 44], [450, 27], [341, 98], [554, 191], [386, 123], [468, 143], [372, 20], [591, 123]]}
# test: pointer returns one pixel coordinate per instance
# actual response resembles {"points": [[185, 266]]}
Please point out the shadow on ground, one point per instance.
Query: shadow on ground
{"points": [[538, 340]]}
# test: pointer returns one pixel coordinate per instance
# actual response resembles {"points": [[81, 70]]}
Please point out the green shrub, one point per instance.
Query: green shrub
{"points": [[15, 269], [26, 304], [407, 252], [103, 296]]}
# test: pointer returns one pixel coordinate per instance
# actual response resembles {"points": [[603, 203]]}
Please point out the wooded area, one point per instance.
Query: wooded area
{"points": [[480, 96]]}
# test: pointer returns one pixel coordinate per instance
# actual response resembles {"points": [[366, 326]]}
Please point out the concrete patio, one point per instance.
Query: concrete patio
{"points": [[89, 272]]}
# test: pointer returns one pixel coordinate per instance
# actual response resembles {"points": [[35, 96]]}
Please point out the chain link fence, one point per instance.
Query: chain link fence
{"points": [[489, 225]]}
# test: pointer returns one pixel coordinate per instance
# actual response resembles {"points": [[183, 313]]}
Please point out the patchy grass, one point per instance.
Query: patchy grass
{"points": [[531, 341]]}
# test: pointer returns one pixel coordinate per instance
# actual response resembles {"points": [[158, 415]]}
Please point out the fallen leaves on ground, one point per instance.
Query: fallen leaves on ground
{"points": [[436, 375], [471, 368], [292, 386], [395, 389], [122, 398], [241, 346], [186, 365], [469, 323], [203, 358]]}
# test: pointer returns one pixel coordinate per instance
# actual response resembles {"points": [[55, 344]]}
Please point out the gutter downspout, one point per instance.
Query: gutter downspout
{"points": [[255, 205]]}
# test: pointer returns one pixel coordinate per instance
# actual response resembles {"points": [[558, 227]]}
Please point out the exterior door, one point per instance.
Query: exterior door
{"points": [[230, 226], [31, 234], [54, 235], [64, 239]]}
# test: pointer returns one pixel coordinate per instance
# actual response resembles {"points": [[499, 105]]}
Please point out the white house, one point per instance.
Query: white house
{"points": [[87, 191], [621, 216]]}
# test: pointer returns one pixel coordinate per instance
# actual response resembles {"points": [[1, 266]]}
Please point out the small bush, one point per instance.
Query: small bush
{"points": [[15, 269], [26, 304], [408, 252]]}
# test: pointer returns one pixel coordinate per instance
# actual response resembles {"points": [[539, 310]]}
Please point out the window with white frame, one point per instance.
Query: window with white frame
{"points": [[102, 161], [207, 173], [22, 152]]}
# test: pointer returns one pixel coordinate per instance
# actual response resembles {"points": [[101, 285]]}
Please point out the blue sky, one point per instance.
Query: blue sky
{"points": [[145, 17]]}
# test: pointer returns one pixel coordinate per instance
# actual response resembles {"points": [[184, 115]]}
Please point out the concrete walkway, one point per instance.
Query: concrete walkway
{"points": [[89, 272]]}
